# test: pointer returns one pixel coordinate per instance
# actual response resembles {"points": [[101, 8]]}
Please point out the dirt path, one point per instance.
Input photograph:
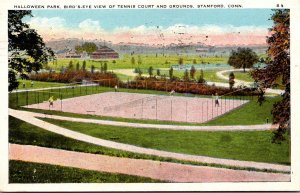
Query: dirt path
{"points": [[221, 75], [28, 117], [171, 172]]}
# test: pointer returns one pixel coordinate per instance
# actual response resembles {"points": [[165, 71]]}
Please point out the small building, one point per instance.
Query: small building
{"points": [[104, 52], [72, 55]]}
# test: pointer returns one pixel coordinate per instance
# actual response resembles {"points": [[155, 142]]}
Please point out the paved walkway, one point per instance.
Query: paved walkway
{"points": [[165, 171], [261, 127], [221, 75], [28, 117]]}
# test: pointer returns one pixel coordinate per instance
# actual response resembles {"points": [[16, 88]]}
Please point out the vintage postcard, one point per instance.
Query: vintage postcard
{"points": [[153, 95]]}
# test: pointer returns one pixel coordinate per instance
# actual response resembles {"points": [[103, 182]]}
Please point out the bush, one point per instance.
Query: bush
{"points": [[69, 76]]}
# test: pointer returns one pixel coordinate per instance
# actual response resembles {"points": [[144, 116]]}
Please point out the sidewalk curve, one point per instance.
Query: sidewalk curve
{"points": [[166, 171], [28, 117]]}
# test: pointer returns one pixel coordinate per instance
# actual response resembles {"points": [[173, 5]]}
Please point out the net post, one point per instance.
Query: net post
{"points": [[156, 108], [27, 97], [186, 110], [17, 97], [171, 110], [60, 102]]}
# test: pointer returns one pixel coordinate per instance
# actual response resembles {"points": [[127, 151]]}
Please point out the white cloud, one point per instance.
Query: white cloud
{"points": [[90, 25], [47, 23]]}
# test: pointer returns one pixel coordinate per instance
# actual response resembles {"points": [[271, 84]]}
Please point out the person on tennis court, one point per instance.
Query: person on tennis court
{"points": [[172, 92], [116, 88], [51, 100], [216, 97], [31, 84]]}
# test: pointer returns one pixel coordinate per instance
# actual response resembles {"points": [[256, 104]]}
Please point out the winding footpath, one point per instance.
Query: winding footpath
{"points": [[165, 171], [31, 118]]}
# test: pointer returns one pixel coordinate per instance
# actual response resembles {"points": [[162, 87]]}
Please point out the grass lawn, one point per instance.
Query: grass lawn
{"points": [[147, 60], [245, 76], [27, 172], [221, 144], [37, 84], [124, 77], [209, 75]]}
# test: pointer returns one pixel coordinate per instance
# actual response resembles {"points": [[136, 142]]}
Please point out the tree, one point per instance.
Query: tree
{"points": [[193, 72], [26, 48], [231, 80], [171, 72], [83, 65], [88, 47], [158, 72], [139, 60], [201, 77], [70, 66], [180, 61], [132, 60], [150, 71], [194, 61], [78, 49], [77, 66], [105, 67], [242, 58], [92, 69], [186, 75], [277, 70]]}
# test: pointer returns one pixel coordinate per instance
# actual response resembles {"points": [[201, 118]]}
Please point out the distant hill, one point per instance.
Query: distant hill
{"points": [[62, 46]]}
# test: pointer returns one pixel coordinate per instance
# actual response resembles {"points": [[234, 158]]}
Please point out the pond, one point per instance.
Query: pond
{"points": [[210, 66]]}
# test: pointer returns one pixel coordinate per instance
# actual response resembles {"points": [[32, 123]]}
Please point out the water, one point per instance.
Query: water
{"points": [[210, 66]]}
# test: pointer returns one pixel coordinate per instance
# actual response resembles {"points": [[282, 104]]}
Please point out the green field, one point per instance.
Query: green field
{"points": [[148, 60], [229, 145], [24, 133], [37, 84], [245, 76], [27, 172]]}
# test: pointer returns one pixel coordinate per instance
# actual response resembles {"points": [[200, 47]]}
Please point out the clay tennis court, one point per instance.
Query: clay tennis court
{"points": [[145, 106]]}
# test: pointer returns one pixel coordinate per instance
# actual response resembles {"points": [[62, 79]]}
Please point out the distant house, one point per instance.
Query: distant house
{"points": [[104, 52], [72, 55], [206, 49]]}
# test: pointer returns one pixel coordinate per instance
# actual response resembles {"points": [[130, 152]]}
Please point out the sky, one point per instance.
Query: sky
{"points": [[156, 26]]}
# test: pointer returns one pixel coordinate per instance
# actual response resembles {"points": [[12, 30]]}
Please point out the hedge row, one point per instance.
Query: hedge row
{"points": [[71, 76]]}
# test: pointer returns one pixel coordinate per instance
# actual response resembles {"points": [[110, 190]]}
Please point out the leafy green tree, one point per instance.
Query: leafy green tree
{"points": [[83, 65], [26, 48], [180, 61], [105, 67], [201, 77], [88, 47], [92, 68], [242, 58], [171, 72], [78, 49], [231, 80], [150, 71], [140, 72], [194, 61], [193, 72], [132, 60], [139, 60], [158, 72], [186, 75], [71, 66], [77, 66], [277, 70]]}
